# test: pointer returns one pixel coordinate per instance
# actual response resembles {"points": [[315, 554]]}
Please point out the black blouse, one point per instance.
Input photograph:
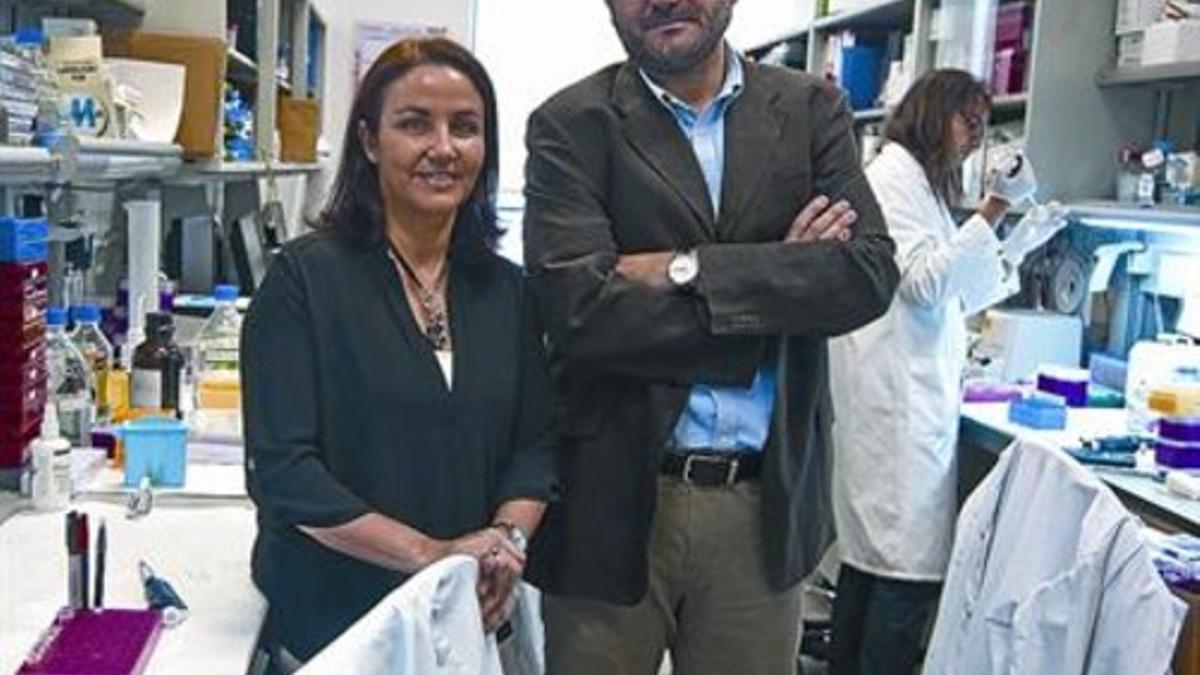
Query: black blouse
{"points": [[347, 412]]}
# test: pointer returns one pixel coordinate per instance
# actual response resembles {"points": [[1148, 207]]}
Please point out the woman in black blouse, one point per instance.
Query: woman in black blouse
{"points": [[397, 404]]}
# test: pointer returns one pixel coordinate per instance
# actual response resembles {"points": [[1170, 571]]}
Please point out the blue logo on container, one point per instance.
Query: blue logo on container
{"points": [[88, 116]]}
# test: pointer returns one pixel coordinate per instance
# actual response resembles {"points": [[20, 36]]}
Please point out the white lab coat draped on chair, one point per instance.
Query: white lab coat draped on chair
{"points": [[1050, 575]]}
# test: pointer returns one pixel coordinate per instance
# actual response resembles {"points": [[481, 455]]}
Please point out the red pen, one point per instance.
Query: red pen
{"points": [[74, 564]]}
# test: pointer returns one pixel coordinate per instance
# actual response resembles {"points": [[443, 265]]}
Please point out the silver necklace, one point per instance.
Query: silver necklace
{"points": [[433, 311]]}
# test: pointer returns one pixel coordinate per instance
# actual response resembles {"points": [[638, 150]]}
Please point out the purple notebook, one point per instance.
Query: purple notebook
{"points": [[95, 642]]}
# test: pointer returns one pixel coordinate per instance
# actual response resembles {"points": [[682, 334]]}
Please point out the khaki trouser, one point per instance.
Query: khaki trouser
{"points": [[709, 602]]}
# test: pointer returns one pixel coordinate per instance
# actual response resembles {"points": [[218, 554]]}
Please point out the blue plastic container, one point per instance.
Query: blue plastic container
{"points": [[24, 240], [1039, 411], [862, 68], [155, 447]]}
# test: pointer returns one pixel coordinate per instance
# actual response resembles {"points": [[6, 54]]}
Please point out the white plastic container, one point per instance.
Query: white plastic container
{"points": [[1155, 364], [50, 487]]}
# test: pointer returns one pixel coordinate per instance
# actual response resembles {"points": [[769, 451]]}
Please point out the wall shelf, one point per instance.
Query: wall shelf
{"points": [[26, 165], [1148, 75], [107, 12], [88, 162], [1121, 216], [875, 14], [1010, 102], [796, 35], [100, 161], [229, 172], [870, 114]]}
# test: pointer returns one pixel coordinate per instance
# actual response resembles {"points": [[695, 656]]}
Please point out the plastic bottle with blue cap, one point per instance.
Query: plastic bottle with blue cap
{"points": [[98, 352], [70, 380], [216, 354]]}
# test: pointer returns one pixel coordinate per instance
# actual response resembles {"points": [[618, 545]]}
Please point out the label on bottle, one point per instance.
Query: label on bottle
{"points": [[61, 477], [146, 388]]}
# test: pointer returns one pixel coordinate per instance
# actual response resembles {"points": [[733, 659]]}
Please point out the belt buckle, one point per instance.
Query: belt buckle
{"points": [[690, 460]]}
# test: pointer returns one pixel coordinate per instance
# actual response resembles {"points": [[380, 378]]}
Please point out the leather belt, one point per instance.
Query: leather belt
{"points": [[711, 469]]}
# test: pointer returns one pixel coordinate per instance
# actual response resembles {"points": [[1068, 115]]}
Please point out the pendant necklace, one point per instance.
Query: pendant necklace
{"points": [[432, 311]]}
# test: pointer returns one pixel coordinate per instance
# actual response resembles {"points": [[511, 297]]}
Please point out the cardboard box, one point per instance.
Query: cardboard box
{"points": [[299, 122], [1137, 15], [205, 59], [1171, 42]]}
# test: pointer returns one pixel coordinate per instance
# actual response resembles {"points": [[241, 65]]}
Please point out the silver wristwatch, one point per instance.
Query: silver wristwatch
{"points": [[683, 269]]}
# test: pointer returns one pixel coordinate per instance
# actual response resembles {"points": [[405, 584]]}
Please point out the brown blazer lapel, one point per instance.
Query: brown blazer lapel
{"points": [[754, 129], [657, 139]]}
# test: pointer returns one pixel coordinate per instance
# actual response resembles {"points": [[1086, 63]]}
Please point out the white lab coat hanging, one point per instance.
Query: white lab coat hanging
{"points": [[431, 625], [896, 382]]}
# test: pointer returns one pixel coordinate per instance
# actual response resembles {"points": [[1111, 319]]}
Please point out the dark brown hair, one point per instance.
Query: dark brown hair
{"points": [[922, 124], [355, 205]]}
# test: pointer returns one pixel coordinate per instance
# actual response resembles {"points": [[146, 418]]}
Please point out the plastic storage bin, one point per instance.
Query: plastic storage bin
{"points": [[1069, 383], [1180, 429], [1177, 454], [23, 240], [861, 72], [1038, 412], [1013, 22], [155, 447], [1008, 71]]}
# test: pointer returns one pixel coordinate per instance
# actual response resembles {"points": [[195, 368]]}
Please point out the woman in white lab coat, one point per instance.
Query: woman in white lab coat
{"points": [[896, 381]]}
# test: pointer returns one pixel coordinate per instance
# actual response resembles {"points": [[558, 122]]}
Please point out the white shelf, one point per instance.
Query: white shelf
{"points": [[1008, 102], [870, 114], [103, 161], [88, 162], [1170, 72], [1121, 216], [26, 165], [228, 172], [874, 14]]}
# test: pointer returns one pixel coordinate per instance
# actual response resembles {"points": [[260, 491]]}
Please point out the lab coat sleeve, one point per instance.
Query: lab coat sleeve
{"points": [[285, 472], [531, 472], [1133, 588], [933, 271], [995, 279]]}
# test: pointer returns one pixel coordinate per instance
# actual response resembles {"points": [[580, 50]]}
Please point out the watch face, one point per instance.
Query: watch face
{"points": [[682, 269]]}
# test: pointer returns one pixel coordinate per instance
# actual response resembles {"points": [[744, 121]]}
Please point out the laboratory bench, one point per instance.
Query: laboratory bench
{"points": [[198, 538], [985, 431]]}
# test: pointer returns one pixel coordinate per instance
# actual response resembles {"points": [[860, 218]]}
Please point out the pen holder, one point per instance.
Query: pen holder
{"points": [[155, 447]]}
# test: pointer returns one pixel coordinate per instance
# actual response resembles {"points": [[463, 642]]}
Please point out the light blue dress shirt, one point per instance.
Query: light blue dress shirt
{"points": [[730, 419]]}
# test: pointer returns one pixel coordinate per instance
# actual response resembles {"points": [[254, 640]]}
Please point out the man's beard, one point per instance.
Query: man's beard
{"points": [[654, 63]]}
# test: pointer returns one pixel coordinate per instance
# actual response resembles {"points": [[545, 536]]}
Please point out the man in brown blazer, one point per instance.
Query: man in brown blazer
{"points": [[696, 227]]}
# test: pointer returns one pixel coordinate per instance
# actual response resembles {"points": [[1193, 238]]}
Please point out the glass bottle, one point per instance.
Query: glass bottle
{"points": [[157, 366]]}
